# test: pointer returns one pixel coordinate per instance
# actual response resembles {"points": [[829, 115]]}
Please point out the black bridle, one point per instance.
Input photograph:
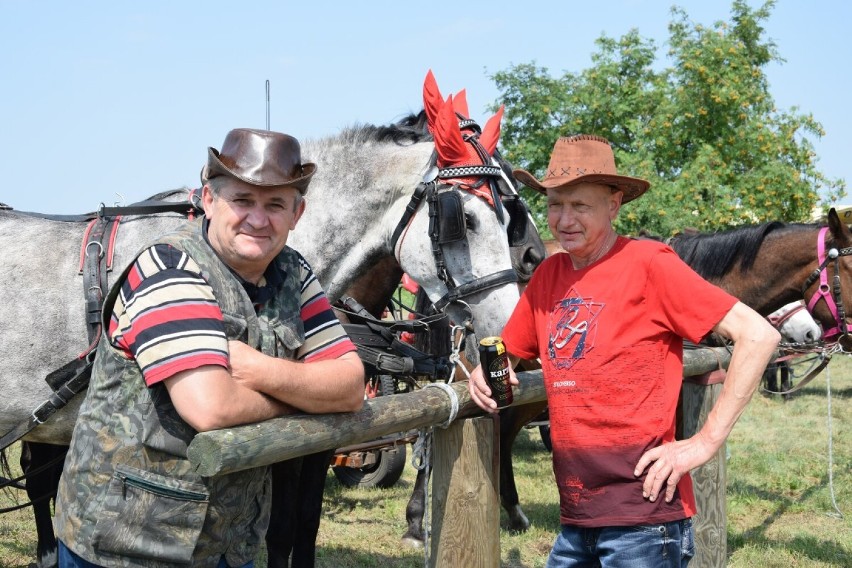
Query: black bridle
{"points": [[447, 219]]}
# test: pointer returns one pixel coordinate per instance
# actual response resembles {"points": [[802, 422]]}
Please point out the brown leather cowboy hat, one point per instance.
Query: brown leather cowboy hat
{"points": [[583, 158], [261, 158]]}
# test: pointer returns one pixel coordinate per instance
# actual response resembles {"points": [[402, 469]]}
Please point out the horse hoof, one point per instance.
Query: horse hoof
{"points": [[412, 542], [518, 521], [519, 528]]}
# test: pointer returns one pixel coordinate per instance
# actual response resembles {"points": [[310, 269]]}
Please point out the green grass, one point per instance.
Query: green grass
{"points": [[780, 499]]}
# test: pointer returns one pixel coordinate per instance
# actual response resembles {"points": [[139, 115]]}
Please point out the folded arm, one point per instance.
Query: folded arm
{"points": [[209, 398], [331, 385], [258, 387]]}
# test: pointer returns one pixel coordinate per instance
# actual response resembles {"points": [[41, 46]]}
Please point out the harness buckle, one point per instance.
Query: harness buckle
{"points": [[38, 415]]}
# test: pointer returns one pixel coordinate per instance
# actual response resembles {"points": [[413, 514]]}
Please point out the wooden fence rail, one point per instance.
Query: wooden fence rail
{"points": [[264, 443]]}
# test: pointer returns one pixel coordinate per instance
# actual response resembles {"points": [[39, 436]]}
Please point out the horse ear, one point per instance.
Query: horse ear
{"points": [[839, 229], [460, 104], [449, 143], [432, 99], [491, 133]]}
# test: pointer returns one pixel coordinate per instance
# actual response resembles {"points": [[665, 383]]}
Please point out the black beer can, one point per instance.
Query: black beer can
{"points": [[495, 368]]}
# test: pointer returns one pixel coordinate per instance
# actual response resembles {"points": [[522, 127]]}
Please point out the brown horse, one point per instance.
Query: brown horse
{"points": [[773, 264]]}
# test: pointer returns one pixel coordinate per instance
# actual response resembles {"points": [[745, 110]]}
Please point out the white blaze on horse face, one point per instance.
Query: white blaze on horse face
{"points": [[798, 326], [483, 251]]}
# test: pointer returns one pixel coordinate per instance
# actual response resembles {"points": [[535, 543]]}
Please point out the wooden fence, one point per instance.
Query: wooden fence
{"points": [[473, 446]]}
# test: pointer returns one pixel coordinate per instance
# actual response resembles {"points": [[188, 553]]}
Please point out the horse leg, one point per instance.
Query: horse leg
{"points": [[41, 490], [415, 509], [282, 520], [770, 376], [297, 489], [786, 382], [309, 506], [512, 419]]}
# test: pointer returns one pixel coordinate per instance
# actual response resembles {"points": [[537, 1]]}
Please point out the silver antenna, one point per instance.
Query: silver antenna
{"points": [[267, 104]]}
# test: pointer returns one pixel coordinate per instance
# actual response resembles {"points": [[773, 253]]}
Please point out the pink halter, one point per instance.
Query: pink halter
{"points": [[824, 290]]}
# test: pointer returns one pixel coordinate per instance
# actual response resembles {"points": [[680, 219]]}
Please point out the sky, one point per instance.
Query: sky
{"points": [[111, 102]]}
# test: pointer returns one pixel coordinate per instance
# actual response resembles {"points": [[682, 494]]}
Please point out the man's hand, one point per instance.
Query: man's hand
{"points": [[666, 464], [479, 391]]}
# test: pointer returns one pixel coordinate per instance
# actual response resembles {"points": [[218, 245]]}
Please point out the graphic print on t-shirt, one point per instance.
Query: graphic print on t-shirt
{"points": [[572, 329]]}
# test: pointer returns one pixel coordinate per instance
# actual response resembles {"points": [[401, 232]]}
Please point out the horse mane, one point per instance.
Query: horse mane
{"points": [[408, 130], [713, 255], [169, 195]]}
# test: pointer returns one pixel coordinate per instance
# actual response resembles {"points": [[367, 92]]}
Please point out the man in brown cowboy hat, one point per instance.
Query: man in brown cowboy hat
{"points": [[607, 321], [215, 325]]}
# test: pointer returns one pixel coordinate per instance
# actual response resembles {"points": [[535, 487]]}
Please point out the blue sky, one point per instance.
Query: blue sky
{"points": [[108, 101]]}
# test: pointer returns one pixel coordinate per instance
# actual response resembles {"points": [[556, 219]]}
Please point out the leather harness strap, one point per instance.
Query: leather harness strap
{"points": [[379, 346], [95, 262]]}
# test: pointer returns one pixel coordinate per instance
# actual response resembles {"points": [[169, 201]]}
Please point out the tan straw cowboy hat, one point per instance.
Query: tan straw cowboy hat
{"points": [[583, 158], [261, 158]]}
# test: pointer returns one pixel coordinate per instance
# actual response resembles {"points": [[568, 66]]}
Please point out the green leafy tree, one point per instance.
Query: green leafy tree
{"points": [[704, 131]]}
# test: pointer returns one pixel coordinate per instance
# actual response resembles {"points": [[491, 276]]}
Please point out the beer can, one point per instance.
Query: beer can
{"points": [[495, 368]]}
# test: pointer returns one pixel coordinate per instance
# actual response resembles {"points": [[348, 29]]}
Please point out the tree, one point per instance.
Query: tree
{"points": [[704, 131]]}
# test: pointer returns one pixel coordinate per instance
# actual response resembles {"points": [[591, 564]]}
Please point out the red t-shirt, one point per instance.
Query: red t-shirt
{"points": [[609, 337]]}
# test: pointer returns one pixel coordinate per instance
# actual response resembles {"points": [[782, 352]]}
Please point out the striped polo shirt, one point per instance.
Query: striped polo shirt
{"points": [[166, 316]]}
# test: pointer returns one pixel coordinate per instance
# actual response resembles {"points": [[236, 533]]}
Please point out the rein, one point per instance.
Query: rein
{"points": [[379, 344]]}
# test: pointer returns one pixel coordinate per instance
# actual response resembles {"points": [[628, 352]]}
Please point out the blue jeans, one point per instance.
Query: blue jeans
{"points": [[68, 559], [644, 546]]}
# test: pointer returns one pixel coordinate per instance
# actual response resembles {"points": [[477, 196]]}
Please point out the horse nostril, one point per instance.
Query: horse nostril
{"points": [[532, 257]]}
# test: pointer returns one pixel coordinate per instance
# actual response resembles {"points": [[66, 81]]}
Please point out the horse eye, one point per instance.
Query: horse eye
{"points": [[470, 222]]}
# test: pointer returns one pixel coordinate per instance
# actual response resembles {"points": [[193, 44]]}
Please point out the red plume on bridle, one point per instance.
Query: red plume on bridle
{"points": [[443, 122]]}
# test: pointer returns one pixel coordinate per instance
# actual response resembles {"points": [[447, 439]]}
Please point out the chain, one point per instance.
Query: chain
{"points": [[455, 356]]}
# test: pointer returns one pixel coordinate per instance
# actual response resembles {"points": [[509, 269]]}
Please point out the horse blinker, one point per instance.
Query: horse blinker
{"points": [[450, 217]]}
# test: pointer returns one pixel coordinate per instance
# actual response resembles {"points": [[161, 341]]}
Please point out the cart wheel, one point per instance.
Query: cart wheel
{"points": [[384, 473], [387, 386], [544, 431]]}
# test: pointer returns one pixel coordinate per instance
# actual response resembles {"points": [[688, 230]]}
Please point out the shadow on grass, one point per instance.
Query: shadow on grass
{"points": [[346, 557], [16, 549], [807, 546]]}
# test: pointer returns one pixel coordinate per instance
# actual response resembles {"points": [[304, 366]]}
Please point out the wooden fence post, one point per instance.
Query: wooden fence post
{"points": [[466, 494], [709, 481]]}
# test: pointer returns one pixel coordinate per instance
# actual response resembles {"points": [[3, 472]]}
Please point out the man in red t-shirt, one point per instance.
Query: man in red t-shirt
{"points": [[607, 321]]}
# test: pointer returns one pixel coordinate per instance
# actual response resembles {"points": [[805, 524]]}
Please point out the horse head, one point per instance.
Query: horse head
{"points": [[795, 323], [455, 143], [454, 242], [828, 289]]}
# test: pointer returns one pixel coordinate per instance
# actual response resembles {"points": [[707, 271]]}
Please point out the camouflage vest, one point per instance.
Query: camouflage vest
{"points": [[128, 495]]}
